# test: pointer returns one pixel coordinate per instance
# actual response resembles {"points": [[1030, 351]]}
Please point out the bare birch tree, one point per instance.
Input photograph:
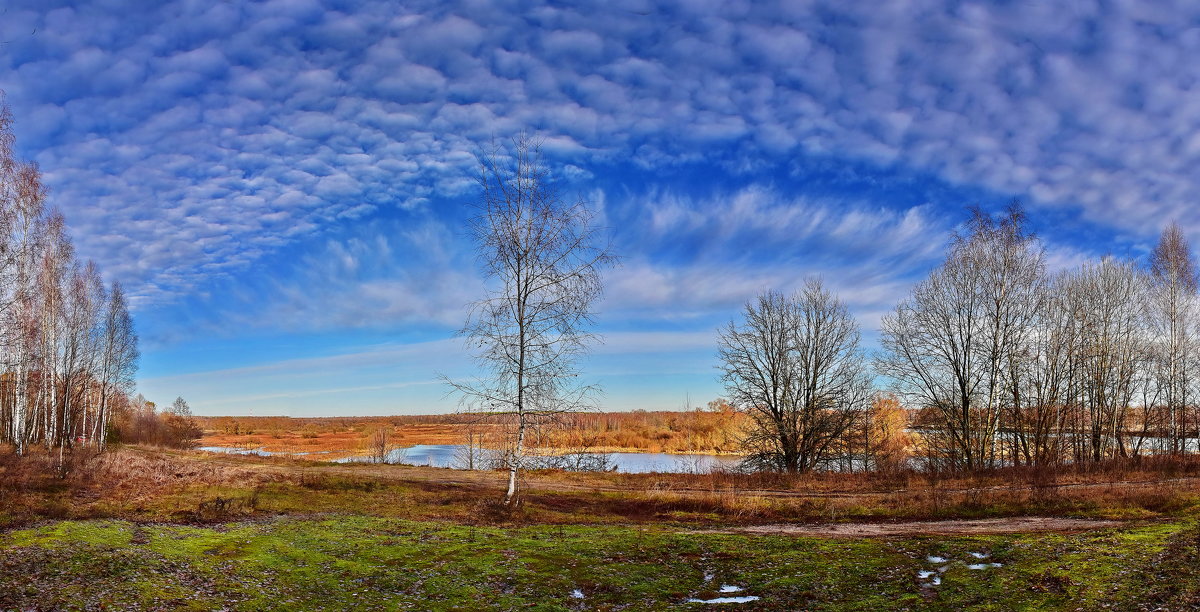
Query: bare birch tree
{"points": [[1109, 297], [118, 358], [794, 365], [542, 258], [66, 345], [1043, 380], [1173, 320]]}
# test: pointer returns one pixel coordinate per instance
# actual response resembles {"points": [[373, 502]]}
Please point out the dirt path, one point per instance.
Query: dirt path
{"points": [[1020, 524]]}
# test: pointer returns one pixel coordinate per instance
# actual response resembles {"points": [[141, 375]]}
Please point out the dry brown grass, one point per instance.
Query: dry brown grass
{"points": [[162, 485], [1116, 489], [335, 438]]}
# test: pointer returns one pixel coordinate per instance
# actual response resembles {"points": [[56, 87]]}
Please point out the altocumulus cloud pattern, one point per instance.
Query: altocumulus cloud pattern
{"points": [[332, 144]]}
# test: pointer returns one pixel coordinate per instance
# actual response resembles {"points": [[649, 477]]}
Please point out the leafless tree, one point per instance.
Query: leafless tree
{"points": [[118, 358], [1043, 380], [66, 345], [794, 365], [543, 259], [1173, 286], [180, 407], [180, 427], [1109, 299], [470, 454], [381, 444], [950, 346]]}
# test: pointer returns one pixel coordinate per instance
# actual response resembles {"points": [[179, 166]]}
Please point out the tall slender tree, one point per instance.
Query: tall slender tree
{"points": [[118, 358], [542, 258], [64, 341], [1109, 300], [1173, 319]]}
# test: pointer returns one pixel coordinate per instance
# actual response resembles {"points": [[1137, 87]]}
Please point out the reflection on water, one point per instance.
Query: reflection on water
{"points": [[433, 455], [638, 463], [229, 450], [453, 456]]}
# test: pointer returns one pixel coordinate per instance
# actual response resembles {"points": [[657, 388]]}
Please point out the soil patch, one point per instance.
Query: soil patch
{"points": [[1020, 524]]}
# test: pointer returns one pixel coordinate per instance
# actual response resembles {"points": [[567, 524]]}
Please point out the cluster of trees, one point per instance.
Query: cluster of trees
{"points": [[1015, 365], [68, 351], [716, 428], [794, 367], [1005, 362], [138, 421]]}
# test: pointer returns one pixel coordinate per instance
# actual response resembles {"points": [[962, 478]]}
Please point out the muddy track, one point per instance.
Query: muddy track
{"points": [[1018, 524]]}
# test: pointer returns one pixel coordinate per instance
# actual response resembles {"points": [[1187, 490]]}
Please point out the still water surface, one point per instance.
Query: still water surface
{"points": [[449, 456]]}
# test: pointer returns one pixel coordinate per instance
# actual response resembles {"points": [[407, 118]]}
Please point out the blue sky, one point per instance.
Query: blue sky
{"points": [[281, 185]]}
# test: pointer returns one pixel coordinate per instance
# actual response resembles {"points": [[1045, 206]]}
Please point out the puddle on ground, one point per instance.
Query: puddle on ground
{"points": [[979, 566], [577, 594], [726, 589], [935, 577], [723, 600]]}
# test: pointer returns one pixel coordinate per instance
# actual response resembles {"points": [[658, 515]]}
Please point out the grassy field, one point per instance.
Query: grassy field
{"points": [[152, 529], [358, 562]]}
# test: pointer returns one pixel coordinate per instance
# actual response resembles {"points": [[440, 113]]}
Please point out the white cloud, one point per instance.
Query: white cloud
{"points": [[188, 141], [703, 259]]}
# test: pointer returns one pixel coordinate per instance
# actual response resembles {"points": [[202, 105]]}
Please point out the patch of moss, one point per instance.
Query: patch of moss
{"points": [[107, 534]]}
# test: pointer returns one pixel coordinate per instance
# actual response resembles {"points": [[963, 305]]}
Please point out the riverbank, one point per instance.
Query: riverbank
{"points": [[260, 447], [144, 484]]}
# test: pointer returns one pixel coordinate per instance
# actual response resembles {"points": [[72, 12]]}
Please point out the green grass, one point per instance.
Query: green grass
{"points": [[370, 563]]}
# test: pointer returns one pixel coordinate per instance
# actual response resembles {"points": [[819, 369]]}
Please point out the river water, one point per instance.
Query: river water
{"points": [[450, 456]]}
